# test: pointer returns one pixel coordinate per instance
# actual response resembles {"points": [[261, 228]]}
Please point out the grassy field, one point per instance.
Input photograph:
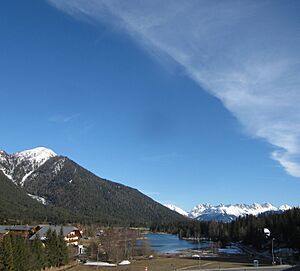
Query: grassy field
{"points": [[171, 264]]}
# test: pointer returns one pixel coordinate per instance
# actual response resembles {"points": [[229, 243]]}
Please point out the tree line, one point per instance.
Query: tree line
{"points": [[20, 254], [284, 228]]}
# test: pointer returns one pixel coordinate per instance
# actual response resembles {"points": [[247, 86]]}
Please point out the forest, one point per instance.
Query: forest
{"points": [[284, 228], [20, 254]]}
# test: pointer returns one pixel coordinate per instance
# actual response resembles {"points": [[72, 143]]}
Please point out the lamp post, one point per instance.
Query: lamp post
{"points": [[268, 234], [273, 259], [199, 262]]}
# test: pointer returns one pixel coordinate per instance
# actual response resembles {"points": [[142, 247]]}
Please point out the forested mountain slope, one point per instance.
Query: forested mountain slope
{"points": [[67, 189]]}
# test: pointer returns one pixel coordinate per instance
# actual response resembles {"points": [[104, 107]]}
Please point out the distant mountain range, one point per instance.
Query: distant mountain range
{"points": [[227, 213], [39, 184]]}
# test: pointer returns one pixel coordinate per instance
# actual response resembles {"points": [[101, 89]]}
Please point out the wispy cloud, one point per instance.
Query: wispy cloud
{"points": [[162, 158], [63, 118], [246, 53]]}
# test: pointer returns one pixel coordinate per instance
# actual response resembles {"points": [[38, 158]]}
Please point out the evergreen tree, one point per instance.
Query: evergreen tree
{"points": [[38, 259], [8, 254], [51, 248], [21, 253], [62, 248], [1, 256]]}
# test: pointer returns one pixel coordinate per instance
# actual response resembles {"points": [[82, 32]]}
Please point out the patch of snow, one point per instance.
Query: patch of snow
{"points": [[5, 164], [100, 264], [39, 199], [59, 165], [125, 262], [25, 177], [267, 232], [176, 209], [6, 174]]}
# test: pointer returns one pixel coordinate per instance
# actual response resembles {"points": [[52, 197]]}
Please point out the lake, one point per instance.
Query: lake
{"points": [[167, 243]]}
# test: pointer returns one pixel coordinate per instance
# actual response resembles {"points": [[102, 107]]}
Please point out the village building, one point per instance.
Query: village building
{"points": [[24, 231], [72, 235]]}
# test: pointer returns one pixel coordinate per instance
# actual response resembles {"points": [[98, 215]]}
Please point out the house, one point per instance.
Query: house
{"points": [[71, 234], [20, 230]]}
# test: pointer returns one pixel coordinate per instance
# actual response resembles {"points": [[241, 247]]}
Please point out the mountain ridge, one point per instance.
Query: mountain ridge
{"points": [[229, 212], [176, 209], [59, 182], [20, 165]]}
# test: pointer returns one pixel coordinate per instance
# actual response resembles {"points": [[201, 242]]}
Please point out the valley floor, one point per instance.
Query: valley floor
{"points": [[175, 263]]}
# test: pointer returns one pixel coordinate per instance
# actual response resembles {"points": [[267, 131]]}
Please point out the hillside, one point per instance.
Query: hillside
{"points": [[63, 183], [59, 182], [17, 207]]}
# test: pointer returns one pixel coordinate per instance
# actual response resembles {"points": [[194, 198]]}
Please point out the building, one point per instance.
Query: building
{"points": [[72, 235], [24, 231]]}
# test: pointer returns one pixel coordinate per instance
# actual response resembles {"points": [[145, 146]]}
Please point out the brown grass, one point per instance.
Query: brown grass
{"points": [[169, 264]]}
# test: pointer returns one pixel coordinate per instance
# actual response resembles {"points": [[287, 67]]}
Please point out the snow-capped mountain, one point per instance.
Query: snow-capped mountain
{"points": [[227, 213], [284, 207], [176, 209], [64, 187], [19, 166]]}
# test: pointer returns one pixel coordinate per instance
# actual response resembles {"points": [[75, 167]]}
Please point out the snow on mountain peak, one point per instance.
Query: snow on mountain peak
{"points": [[285, 207], [20, 165], [230, 212], [176, 209], [38, 155]]}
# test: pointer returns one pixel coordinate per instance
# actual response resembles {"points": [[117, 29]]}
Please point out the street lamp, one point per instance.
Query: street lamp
{"points": [[268, 234], [273, 260]]}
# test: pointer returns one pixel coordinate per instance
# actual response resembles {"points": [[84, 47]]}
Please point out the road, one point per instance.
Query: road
{"points": [[263, 268]]}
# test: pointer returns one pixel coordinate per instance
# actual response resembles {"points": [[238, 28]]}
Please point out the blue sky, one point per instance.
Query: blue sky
{"points": [[187, 101]]}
